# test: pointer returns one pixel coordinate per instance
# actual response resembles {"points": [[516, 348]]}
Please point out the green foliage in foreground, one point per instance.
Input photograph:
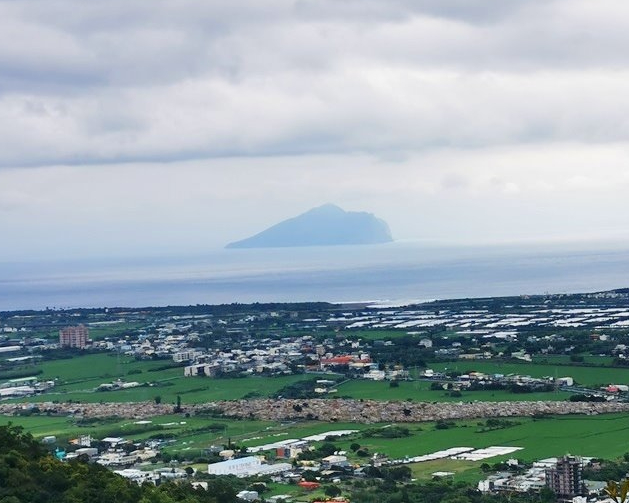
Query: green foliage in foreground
{"points": [[387, 491], [29, 474]]}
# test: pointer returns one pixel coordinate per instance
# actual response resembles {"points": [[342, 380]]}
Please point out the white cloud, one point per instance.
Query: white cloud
{"points": [[495, 194], [122, 80], [370, 109]]}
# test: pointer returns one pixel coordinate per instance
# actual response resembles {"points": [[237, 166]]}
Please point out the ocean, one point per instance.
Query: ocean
{"points": [[395, 274]]}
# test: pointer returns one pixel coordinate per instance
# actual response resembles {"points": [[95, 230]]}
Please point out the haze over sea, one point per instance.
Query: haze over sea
{"points": [[395, 273]]}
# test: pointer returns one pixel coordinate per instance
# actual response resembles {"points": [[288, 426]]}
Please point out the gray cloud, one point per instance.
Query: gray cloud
{"points": [[370, 109], [128, 81], [122, 81]]}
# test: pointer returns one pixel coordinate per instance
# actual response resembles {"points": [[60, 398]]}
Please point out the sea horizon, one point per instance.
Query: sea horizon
{"points": [[396, 273]]}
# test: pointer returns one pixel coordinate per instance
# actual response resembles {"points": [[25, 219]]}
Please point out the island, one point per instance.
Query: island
{"points": [[326, 225]]}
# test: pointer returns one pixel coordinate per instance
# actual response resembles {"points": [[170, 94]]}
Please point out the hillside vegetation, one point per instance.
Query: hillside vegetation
{"points": [[30, 474]]}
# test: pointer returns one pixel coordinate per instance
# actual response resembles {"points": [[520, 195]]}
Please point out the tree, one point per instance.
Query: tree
{"points": [[399, 473], [28, 473], [442, 424], [178, 408], [309, 476], [332, 491], [327, 449], [158, 399], [258, 487], [546, 495]]}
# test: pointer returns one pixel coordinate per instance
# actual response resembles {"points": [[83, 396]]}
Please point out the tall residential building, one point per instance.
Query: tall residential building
{"points": [[566, 479], [74, 337]]}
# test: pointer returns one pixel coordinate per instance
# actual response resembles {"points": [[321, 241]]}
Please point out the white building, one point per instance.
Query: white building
{"points": [[335, 460], [376, 375], [138, 476], [207, 369], [16, 391], [186, 356], [248, 495], [247, 467]]}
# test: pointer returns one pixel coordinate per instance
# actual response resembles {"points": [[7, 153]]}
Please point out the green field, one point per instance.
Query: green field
{"points": [[420, 391], [467, 471], [601, 361], [605, 436], [374, 335], [77, 379], [588, 376], [191, 390], [600, 436], [97, 367], [186, 430]]}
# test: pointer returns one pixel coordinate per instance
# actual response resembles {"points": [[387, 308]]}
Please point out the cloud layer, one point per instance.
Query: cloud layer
{"points": [[468, 102], [134, 81]]}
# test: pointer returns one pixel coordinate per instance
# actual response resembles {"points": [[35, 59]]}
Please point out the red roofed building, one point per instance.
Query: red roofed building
{"points": [[310, 486], [337, 360]]}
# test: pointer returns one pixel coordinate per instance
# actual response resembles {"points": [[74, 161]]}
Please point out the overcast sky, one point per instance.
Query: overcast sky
{"points": [[131, 127]]}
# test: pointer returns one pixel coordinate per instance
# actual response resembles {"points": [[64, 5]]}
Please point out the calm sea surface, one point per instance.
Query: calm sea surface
{"points": [[396, 273]]}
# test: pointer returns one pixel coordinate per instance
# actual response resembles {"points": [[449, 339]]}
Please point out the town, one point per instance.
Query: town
{"points": [[187, 393]]}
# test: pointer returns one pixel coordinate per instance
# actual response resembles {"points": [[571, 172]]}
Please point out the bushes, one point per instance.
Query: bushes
{"points": [[442, 424], [390, 432], [17, 374], [587, 398], [325, 449], [251, 395], [28, 473], [301, 389], [496, 424], [332, 491]]}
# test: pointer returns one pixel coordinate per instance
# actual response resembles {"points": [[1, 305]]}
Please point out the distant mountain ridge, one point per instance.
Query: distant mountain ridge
{"points": [[326, 225]]}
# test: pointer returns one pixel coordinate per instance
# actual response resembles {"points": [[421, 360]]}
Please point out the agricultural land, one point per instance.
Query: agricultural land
{"points": [[336, 398]]}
